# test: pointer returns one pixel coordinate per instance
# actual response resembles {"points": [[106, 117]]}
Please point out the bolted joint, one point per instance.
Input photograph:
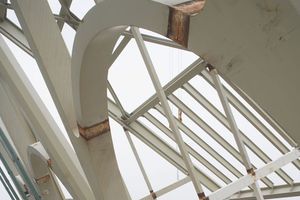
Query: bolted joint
{"points": [[202, 196], [94, 130], [153, 195], [209, 67], [49, 163], [42, 179], [251, 171]]}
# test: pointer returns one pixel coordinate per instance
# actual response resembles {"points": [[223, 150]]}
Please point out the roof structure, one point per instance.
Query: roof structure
{"points": [[140, 99]]}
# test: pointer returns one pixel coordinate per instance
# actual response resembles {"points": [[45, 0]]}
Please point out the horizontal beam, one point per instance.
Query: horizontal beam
{"points": [[218, 115], [209, 130], [253, 119], [156, 40], [270, 193], [192, 151], [158, 145], [169, 188], [194, 69], [247, 180]]}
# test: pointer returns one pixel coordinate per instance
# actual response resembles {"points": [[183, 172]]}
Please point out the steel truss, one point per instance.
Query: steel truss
{"points": [[182, 160]]}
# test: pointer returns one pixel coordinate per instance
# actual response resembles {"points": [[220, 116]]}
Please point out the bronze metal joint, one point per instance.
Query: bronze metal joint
{"points": [[94, 130]]}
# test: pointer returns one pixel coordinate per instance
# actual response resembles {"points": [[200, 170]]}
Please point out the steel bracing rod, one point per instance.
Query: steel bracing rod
{"points": [[193, 152], [210, 131], [140, 164], [234, 129], [249, 179], [195, 68], [119, 49], [15, 34], [218, 115], [163, 99], [133, 148], [255, 121], [281, 191], [65, 5], [156, 40], [159, 146], [8, 187], [10, 150], [169, 188], [115, 97], [13, 178], [205, 146]]}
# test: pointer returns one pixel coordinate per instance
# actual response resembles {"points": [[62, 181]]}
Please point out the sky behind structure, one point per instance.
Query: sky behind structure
{"points": [[129, 78]]}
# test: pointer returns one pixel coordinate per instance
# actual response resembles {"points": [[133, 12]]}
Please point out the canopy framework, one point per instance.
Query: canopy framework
{"points": [[134, 125]]}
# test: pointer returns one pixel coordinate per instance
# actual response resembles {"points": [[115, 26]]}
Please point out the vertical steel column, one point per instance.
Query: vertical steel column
{"points": [[233, 126], [12, 176], [172, 123], [10, 150]]}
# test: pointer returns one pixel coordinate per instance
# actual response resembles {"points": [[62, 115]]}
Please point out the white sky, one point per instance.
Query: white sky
{"points": [[128, 76]]}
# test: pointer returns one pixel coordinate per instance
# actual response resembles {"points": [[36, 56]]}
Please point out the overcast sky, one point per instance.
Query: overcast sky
{"points": [[131, 82]]}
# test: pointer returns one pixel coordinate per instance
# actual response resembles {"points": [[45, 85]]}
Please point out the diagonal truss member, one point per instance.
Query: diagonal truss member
{"points": [[237, 135], [166, 107]]}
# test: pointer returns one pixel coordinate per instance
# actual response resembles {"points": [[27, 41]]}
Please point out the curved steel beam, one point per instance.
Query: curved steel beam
{"points": [[41, 164]]}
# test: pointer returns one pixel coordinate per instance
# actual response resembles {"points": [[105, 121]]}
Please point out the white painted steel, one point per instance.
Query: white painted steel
{"points": [[234, 129], [247, 180], [163, 99]]}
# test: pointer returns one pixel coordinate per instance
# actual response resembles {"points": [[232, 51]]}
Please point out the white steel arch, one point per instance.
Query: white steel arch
{"points": [[78, 85]]}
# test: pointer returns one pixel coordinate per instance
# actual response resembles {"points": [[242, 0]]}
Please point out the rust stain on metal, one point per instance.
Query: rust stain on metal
{"points": [[178, 28], [202, 196], [209, 67], [251, 172], [49, 163], [180, 115], [94, 130], [179, 20], [153, 194], [42, 179], [191, 7]]}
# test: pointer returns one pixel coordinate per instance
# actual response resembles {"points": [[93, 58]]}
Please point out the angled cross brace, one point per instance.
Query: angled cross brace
{"points": [[234, 129], [158, 145], [218, 115], [282, 191], [192, 70], [163, 99], [247, 180], [169, 188]]}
